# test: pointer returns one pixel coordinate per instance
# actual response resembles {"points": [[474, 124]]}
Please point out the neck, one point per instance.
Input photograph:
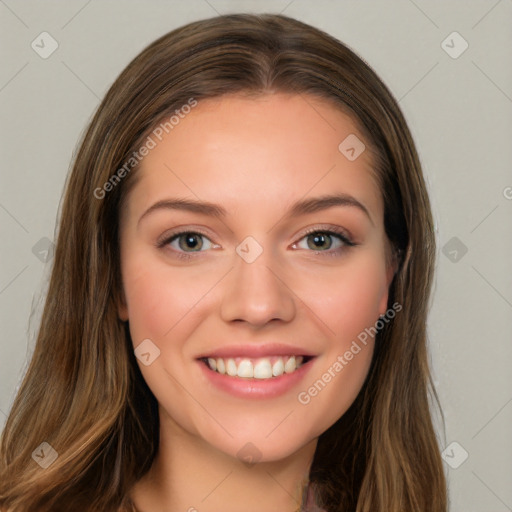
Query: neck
{"points": [[190, 475]]}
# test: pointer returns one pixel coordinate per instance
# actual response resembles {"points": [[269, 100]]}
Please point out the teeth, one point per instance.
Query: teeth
{"points": [[278, 368], [290, 365], [262, 368], [245, 369], [231, 368]]}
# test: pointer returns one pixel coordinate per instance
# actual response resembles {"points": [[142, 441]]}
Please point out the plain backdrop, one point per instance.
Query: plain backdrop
{"points": [[448, 64]]}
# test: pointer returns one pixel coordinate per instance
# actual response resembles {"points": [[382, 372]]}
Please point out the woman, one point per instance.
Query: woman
{"points": [[200, 348]]}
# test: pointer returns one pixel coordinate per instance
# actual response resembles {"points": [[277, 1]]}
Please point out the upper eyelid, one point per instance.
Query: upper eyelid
{"points": [[166, 238], [331, 230], [337, 231]]}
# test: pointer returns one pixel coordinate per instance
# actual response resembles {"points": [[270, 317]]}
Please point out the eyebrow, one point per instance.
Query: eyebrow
{"points": [[302, 207]]}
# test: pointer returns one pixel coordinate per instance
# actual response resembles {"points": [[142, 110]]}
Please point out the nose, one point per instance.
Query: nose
{"points": [[256, 293]]}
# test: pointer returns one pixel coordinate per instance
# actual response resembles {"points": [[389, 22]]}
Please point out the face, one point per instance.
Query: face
{"points": [[274, 295]]}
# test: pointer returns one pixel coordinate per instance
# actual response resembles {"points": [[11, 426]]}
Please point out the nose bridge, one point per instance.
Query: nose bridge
{"points": [[255, 292]]}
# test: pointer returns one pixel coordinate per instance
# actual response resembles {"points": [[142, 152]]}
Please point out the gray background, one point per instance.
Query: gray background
{"points": [[459, 110]]}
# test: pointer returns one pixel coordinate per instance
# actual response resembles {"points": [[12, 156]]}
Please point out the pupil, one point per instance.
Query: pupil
{"points": [[191, 241], [319, 239]]}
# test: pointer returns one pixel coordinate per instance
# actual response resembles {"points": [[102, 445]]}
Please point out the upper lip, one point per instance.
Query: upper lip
{"points": [[257, 350]]}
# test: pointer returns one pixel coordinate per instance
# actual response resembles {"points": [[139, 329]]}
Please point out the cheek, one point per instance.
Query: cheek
{"points": [[349, 307], [349, 300], [159, 298]]}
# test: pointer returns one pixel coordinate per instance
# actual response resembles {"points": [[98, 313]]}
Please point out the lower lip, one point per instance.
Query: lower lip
{"points": [[256, 388]]}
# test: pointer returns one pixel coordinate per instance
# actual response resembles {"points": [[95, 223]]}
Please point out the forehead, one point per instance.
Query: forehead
{"points": [[234, 148]]}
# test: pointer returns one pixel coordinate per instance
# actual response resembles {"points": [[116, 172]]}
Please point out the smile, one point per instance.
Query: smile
{"points": [[256, 368]]}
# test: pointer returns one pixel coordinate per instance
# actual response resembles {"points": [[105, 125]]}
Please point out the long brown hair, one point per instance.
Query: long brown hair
{"points": [[83, 393]]}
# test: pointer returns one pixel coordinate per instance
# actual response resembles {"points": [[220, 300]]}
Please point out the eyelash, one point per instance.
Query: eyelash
{"points": [[339, 233]]}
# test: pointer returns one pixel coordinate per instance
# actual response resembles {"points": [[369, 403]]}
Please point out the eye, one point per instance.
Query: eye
{"points": [[186, 242], [321, 240]]}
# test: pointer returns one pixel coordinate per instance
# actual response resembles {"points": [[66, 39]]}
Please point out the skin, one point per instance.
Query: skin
{"points": [[254, 157]]}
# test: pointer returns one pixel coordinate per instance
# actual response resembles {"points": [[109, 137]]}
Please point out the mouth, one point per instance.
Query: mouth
{"points": [[256, 369]]}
